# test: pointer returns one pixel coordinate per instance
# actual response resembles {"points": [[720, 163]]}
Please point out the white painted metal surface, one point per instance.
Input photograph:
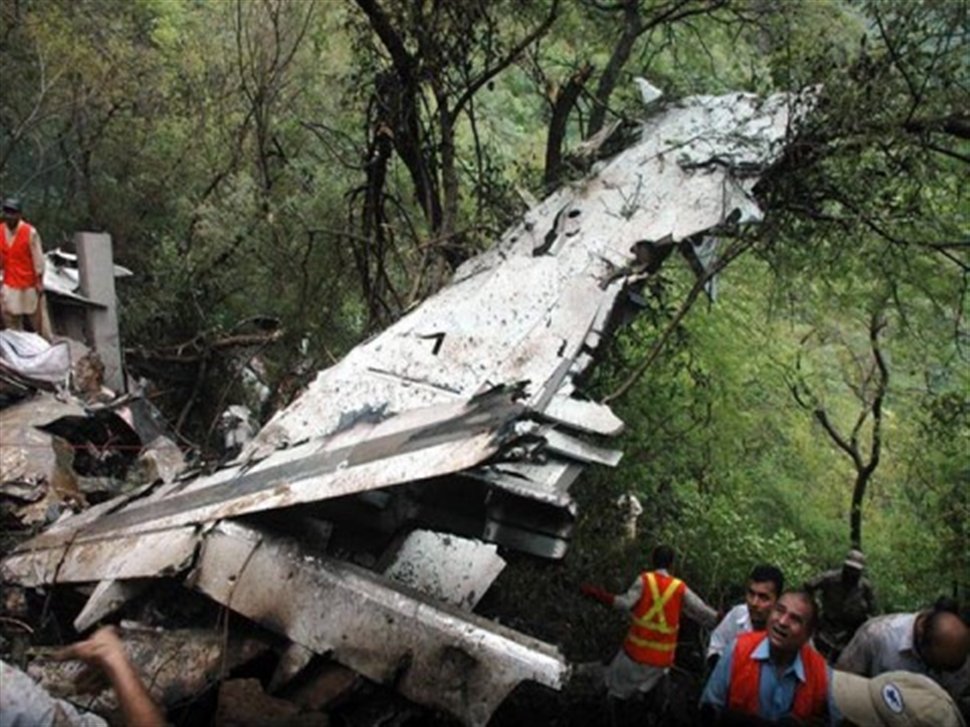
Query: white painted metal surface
{"points": [[418, 444], [431, 653], [451, 569], [511, 314]]}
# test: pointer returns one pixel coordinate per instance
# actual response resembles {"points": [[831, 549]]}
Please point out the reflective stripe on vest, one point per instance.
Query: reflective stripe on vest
{"points": [[15, 257], [744, 688], [652, 638], [655, 619]]}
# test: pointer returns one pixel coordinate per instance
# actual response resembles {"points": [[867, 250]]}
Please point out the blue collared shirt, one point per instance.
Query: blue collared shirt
{"points": [[776, 694]]}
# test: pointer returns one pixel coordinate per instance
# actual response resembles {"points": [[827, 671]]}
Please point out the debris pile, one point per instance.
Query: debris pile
{"points": [[357, 531]]}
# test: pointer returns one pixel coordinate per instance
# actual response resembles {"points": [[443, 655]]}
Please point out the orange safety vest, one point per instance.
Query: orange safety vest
{"points": [[652, 638], [15, 257], [810, 696]]}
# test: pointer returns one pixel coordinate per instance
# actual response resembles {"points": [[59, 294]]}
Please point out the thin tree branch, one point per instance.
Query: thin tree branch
{"points": [[685, 307]]}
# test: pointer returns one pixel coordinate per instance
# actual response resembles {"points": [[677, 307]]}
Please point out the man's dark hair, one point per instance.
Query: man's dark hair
{"points": [[765, 573], [945, 604], [662, 556], [810, 600]]}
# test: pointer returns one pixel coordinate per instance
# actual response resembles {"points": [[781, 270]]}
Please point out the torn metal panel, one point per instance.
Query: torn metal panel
{"points": [[528, 525], [146, 555], [407, 408], [22, 490], [410, 447], [451, 569], [72, 522], [574, 448], [25, 452], [107, 597], [546, 294], [524, 538], [98, 443], [586, 416], [432, 654], [548, 482]]}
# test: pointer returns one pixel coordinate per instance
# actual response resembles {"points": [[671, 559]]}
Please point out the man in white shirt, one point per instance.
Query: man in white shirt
{"points": [[934, 642], [765, 584]]}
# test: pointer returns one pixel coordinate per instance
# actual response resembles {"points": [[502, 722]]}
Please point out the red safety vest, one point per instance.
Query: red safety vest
{"points": [[15, 258], [652, 638], [810, 696]]}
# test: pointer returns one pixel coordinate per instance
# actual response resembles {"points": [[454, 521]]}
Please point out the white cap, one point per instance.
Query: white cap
{"points": [[894, 699]]}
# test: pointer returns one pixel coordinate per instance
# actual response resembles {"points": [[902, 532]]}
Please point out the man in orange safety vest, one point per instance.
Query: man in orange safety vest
{"points": [[773, 675], [22, 265], [655, 601]]}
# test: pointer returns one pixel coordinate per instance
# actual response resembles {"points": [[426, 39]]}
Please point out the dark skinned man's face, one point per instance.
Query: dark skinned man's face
{"points": [[851, 576], [760, 597], [789, 625]]}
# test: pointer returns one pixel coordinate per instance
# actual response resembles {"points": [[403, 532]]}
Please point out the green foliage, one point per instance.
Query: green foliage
{"points": [[742, 536]]}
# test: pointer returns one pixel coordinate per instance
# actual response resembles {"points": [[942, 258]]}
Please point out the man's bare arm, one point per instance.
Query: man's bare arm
{"points": [[104, 650], [37, 256]]}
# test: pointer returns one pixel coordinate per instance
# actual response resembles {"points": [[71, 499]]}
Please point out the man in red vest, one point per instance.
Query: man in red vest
{"points": [[654, 600], [773, 675], [22, 265]]}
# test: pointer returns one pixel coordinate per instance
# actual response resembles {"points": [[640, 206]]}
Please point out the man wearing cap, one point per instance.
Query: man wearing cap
{"points": [[654, 601], [773, 675], [934, 642], [894, 699], [847, 600], [22, 265]]}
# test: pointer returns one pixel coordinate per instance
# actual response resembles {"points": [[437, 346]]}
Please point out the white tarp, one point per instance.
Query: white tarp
{"points": [[32, 356]]}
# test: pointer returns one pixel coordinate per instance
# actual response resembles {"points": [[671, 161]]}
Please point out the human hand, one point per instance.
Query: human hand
{"points": [[103, 653], [596, 593]]}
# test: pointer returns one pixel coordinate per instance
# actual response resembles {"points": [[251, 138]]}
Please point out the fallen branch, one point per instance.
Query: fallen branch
{"points": [[199, 347]]}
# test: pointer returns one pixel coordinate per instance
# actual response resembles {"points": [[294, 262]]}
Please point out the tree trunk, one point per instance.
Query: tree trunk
{"points": [[632, 28], [451, 248], [561, 107], [855, 514]]}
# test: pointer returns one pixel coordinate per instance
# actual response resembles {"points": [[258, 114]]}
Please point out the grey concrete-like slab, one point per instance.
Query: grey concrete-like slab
{"points": [[96, 270]]}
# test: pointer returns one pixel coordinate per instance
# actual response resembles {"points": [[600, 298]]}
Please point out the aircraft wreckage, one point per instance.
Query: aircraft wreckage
{"points": [[459, 426]]}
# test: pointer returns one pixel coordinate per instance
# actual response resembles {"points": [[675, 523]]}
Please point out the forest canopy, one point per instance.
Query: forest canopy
{"points": [[328, 164]]}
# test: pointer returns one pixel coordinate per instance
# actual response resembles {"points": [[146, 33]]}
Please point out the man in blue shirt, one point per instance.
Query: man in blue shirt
{"points": [[773, 675]]}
